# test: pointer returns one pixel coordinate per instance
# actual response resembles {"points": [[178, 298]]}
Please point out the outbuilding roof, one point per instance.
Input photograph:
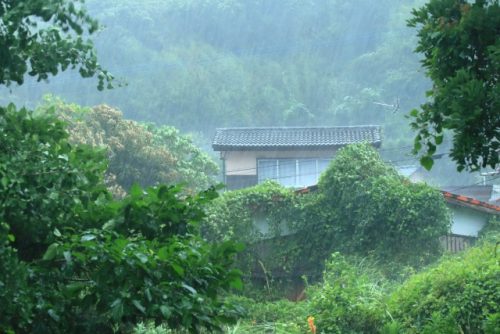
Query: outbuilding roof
{"points": [[290, 138], [471, 202]]}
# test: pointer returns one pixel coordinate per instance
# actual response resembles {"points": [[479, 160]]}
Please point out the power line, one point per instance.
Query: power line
{"points": [[475, 184], [292, 161]]}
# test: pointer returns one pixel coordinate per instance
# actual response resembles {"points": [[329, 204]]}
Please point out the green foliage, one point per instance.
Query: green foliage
{"points": [[15, 292], [77, 261], [255, 63], [350, 299], [459, 295], [460, 44], [124, 280], [32, 30], [491, 231], [150, 328], [362, 207], [280, 316], [138, 153], [235, 214], [42, 178], [367, 209]]}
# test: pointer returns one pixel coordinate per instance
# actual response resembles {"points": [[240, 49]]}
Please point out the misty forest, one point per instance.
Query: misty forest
{"points": [[249, 166]]}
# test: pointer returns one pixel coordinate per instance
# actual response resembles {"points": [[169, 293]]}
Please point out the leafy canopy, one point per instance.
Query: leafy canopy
{"points": [[369, 209], [460, 42], [77, 261], [138, 153], [42, 37], [362, 207]]}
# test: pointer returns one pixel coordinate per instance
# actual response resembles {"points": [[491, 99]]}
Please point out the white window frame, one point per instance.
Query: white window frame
{"points": [[276, 164]]}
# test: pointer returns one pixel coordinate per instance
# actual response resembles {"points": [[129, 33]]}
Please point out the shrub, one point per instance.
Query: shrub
{"points": [[76, 261], [369, 210], [280, 316], [458, 295], [233, 215], [350, 299]]}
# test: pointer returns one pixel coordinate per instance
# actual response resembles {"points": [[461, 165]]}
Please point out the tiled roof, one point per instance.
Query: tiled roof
{"points": [[471, 203], [462, 200], [483, 193], [230, 139]]}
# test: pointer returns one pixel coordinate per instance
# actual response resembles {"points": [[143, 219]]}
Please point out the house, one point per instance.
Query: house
{"points": [[293, 156], [471, 207]]}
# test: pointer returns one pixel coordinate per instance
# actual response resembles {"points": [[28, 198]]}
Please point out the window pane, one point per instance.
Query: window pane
{"points": [[287, 172], [323, 165], [267, 169], [307, 172]]}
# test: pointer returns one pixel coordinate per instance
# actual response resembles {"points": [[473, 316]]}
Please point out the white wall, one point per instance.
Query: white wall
{"points": [[245, 162], [467, 221]]}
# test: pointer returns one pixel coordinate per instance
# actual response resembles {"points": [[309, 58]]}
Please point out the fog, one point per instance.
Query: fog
{"points": [[199, 65]]}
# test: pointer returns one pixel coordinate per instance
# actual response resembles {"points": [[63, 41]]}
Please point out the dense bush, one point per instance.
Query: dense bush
{"points": [[233, 216], [459, 295], [280, 316], [350, 299], [369, 210], [43, 179], [76, 261], [362, 207]]}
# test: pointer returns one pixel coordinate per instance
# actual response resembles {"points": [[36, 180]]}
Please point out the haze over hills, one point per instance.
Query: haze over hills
{"points": [[198, 65]]}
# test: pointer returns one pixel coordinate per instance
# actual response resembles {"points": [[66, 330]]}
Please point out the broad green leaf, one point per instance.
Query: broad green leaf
{"points": [[51, 252], [136, 190], [54, 315], [236, 283], [163, 253], [67, 257], [189, 288], [165, 311], [178, 269], [4, 181], [139, 306], [88, 237], [142, 257], [427, 162], [438, 139], [117, 309]]}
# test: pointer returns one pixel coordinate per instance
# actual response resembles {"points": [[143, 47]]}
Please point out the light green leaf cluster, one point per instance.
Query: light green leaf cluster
{"points": [[137, 153]]}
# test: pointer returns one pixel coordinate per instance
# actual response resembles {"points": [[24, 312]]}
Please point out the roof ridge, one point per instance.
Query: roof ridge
{"points": [[300, 127]]}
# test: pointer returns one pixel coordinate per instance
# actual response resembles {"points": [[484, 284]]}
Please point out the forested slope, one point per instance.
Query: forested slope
{"points": [[200, 65]]}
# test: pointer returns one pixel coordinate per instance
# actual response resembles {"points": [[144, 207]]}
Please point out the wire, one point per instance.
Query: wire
{"points": [[474, 184], [293, 161]]}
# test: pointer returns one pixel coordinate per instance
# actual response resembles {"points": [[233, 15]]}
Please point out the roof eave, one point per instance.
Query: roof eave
{"points": [[223, 148], [471, 203]]}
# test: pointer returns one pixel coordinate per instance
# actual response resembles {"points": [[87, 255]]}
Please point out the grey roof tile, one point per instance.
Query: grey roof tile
{"points": [[227, 139]]}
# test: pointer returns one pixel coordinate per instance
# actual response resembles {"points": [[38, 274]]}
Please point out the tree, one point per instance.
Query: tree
{"points": [[369, 209], [77, 261], [73, 259], [43, 37], [42, 178], [138, 153], [460, 42]]}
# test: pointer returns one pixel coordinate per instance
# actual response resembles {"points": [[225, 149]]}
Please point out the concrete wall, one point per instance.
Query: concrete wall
{"points": [[467, 221]]}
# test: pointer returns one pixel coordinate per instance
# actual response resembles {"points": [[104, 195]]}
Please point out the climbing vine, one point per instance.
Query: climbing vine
{"points": [[361, 207]]}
